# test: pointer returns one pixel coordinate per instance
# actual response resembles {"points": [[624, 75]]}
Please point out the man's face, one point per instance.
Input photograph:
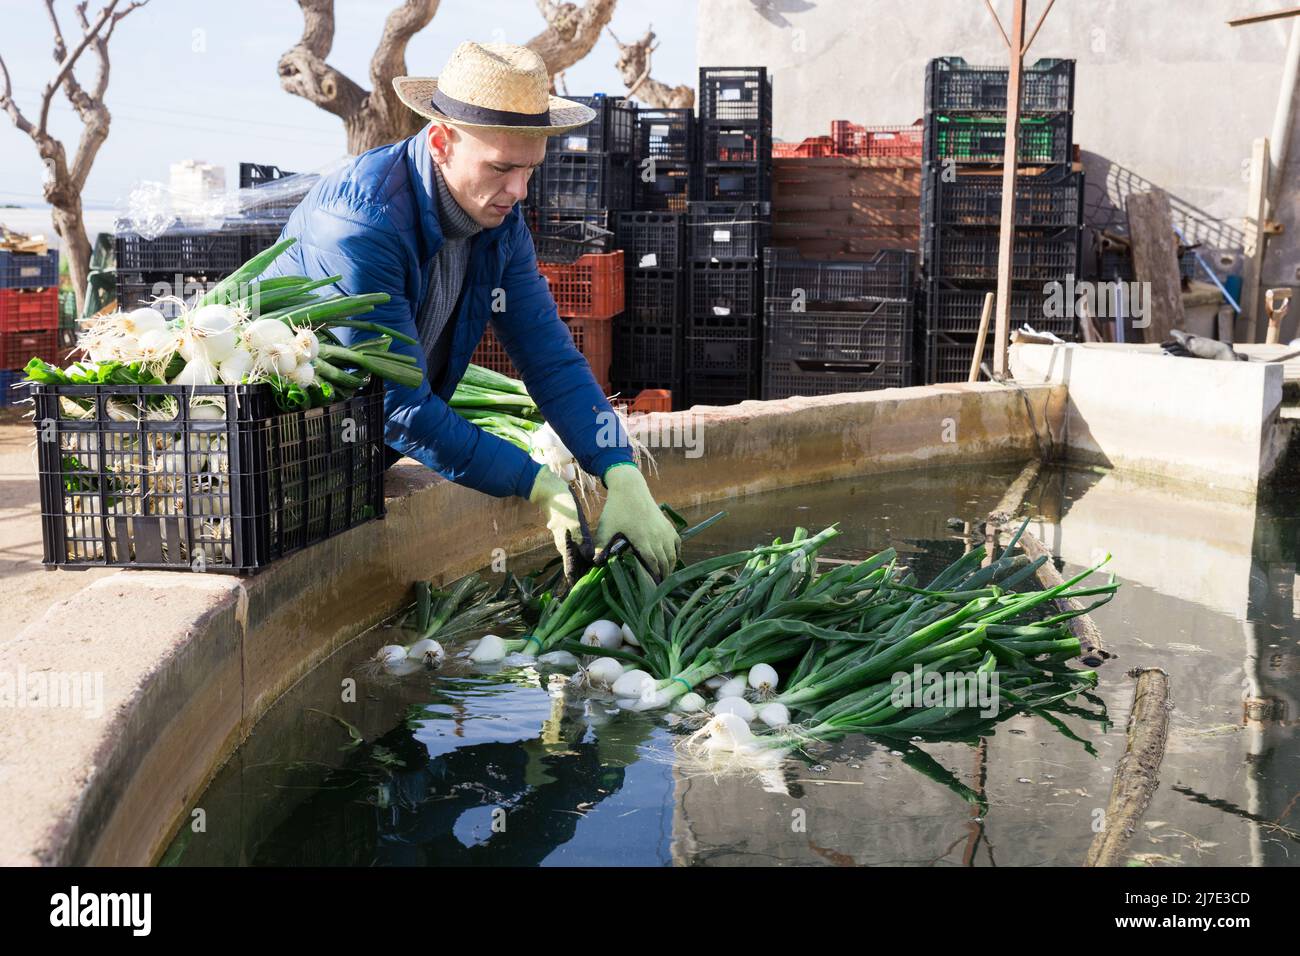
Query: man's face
{"points": [[486, 171]]}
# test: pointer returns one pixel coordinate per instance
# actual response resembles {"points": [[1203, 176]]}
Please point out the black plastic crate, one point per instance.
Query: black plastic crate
{"points": [[965, 255], [612, 131], [953, 84], [817, 283], [880, 334], [569, 240], [228, 494], [722, 350], [728, 230], [947, 357], [784, 378], [666, 134], [735, 141], [252, 175], [735, 93], [655, 297], [137, 289], [29, 270], [184, 251], [646, 353], [734, 182], [651, 240], [546, 218], [725, 289], [720, 388], [981, 138], [663, 184], [258, 239], [586, 181], [1050, 200], [952, 309]]}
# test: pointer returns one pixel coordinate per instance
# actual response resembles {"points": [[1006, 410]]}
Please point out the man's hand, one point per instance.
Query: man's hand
{"points": [[631, 510], [553, 497]]}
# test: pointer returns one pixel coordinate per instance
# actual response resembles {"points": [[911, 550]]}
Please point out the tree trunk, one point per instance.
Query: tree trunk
{"points": [[70, 226]]}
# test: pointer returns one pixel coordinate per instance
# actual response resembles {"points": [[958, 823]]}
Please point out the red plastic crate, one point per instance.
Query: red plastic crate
{"points": [[849, 139], [648, 400], [590, 288], [18, 348], [593, 337], [811, 147], [29, 310]]}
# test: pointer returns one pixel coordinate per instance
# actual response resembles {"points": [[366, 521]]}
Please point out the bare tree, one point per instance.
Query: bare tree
{"points": [[571, 31], [634, 67], [63, 183], [374, 117]]}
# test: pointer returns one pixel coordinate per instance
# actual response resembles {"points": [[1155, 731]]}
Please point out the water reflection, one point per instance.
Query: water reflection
{"points": [[1210, 594]]}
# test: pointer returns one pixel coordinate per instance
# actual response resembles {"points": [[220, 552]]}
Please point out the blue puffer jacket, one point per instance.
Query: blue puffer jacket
{"points": [[375, 223]]}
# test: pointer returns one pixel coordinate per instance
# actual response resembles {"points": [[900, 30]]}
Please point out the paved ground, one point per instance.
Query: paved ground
{"points": [[26, 587]]}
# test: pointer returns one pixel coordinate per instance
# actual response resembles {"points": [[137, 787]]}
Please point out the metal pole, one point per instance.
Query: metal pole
{"points": [[1006, 237]]}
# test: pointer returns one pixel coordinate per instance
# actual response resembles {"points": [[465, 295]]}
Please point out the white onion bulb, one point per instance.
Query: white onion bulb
{"points": [[604, 672], [489, 650], [264, 333], [236, 366], [732, 688], [139, 322], [774, 715], [763, 678], [735, 705], [633, 683], [603, 634], [304, 374], [196, 372], [691, 703], [212, 330], [629, 637]]}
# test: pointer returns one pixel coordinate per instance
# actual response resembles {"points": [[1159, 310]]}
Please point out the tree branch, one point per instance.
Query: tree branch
{"points": [[571, 31], [633, 66], [70, 60], [10, 107], [304, 72], [390, 55]]}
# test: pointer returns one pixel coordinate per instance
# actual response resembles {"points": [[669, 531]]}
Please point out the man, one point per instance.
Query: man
{"points": [[432, 221]]}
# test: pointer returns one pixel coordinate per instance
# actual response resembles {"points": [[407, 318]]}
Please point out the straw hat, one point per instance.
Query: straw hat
{"points": [[497, 86]]}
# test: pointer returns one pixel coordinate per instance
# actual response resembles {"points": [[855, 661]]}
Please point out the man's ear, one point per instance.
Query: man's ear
{"points": [[441, 138]]}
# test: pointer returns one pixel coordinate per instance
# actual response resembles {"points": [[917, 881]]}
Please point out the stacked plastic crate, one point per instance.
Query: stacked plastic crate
{"points": [[837, 326], [29, 314], [961, 202], [648, 336], [584, 181], [728, 226], [188, 257]]}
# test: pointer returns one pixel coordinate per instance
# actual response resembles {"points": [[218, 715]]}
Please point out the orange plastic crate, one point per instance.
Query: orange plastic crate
{"points": [[590, 288], [593, 337], [29, 310]]}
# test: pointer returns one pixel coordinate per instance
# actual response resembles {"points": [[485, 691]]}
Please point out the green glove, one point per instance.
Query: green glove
{"points": [[553, 497], [631, 510]]}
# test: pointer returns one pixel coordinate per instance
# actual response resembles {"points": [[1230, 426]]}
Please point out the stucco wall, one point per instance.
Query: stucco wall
{"points": [[1166, 92]]}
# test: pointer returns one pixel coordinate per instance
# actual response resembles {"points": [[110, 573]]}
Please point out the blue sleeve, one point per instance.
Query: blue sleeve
{"points": [[372, 258], [555, 372]]}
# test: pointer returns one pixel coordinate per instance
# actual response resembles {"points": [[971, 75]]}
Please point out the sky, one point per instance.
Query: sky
{"points": [[196, 79]]}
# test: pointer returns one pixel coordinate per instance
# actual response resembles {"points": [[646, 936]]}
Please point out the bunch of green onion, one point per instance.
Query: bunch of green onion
{"points": [[243, 331], [847, 640]]}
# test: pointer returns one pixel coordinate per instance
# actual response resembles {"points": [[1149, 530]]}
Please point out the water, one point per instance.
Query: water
{"points": [[464, 766]]}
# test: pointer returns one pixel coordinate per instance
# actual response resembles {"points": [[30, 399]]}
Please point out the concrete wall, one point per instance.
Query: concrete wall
{"points": [[1134, 409], [1167, 94]]}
